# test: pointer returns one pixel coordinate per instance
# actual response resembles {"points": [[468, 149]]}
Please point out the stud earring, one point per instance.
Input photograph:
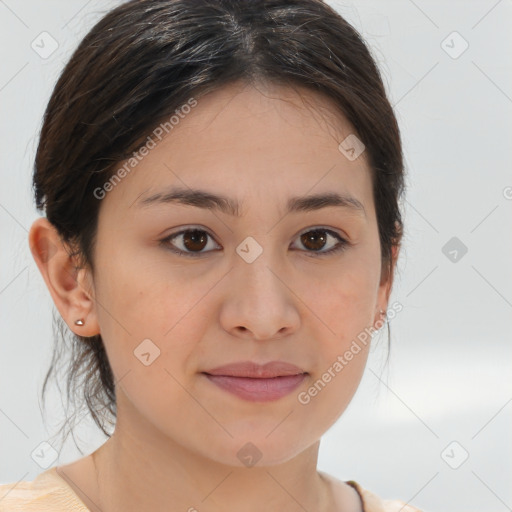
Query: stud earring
{"points": [[79, 322]]}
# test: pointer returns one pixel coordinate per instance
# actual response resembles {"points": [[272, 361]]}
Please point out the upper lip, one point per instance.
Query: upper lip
{"points": [[255, 370]]}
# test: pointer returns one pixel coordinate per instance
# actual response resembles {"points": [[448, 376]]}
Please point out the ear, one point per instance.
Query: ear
{"points": [[386, 282], [72, 289]]}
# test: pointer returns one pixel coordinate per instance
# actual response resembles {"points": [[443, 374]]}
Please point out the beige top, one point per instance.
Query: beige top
{"points": [[49, 492]]}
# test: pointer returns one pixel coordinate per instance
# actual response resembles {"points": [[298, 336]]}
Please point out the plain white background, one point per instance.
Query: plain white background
{"points": [[449, 374]]}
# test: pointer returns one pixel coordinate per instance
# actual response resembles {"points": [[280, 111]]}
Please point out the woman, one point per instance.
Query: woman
{"points": [[220, 181]]}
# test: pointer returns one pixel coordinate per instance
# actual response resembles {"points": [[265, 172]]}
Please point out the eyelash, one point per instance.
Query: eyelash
{"points": [[341, 246]]}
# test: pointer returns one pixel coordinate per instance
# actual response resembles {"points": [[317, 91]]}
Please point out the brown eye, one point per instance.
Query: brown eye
{"points": [[195, 240], [190, 242], [316, 239]]}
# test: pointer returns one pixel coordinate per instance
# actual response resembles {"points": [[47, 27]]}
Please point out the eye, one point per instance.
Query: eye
{"points": [[316, 239], [192, 242]]}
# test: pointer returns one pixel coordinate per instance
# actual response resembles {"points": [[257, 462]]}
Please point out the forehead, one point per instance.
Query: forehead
{"points": [[244, 140], [265, 110]]}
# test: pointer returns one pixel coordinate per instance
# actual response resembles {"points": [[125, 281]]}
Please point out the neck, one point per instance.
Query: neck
{"points": [[144, 470]]}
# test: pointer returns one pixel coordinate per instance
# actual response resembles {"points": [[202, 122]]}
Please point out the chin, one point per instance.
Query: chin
{"points": [[257, 448]]}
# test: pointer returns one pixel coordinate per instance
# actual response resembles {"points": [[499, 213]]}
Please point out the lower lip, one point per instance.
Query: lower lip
{"points": [[258, 390]]}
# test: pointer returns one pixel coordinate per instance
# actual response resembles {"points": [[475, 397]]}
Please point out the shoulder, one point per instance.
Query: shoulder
{"points": [[373, 503], [369, 501], [47, 492]]}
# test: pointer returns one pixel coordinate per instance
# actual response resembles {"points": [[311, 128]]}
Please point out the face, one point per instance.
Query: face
{"points": [[268, 284]]}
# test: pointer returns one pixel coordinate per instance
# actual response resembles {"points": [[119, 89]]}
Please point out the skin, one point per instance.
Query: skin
{"points": [[177, 435]]}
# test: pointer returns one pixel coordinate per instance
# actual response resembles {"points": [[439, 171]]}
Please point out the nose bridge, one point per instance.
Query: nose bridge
{"points": [[259, 249], [259, 276], [254, 262]]}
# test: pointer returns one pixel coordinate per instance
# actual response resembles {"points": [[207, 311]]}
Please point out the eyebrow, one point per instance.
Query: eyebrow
{"points": [[210, 201]]}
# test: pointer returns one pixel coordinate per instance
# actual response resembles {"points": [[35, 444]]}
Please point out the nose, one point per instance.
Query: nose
{"points": [[260, 303]]}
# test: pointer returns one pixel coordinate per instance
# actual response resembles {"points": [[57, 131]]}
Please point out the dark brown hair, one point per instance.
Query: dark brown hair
{"points": [[141, 62]]}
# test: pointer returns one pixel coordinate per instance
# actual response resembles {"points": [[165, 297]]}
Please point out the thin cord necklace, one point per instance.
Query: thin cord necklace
{"points": [[97, 481]]}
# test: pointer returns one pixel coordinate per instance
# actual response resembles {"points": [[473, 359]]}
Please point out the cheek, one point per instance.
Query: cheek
{"points": [[135, 296], [344, 313], [148, 342], [344, 300], [334, 382], [145, 314]]}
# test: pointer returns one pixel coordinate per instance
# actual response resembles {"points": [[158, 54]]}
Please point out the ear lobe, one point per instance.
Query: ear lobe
{"points": [[69, 287]]}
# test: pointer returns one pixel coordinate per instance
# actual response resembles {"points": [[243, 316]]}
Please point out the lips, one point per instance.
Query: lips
{"points": [[257, 383], [254, 370]]}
